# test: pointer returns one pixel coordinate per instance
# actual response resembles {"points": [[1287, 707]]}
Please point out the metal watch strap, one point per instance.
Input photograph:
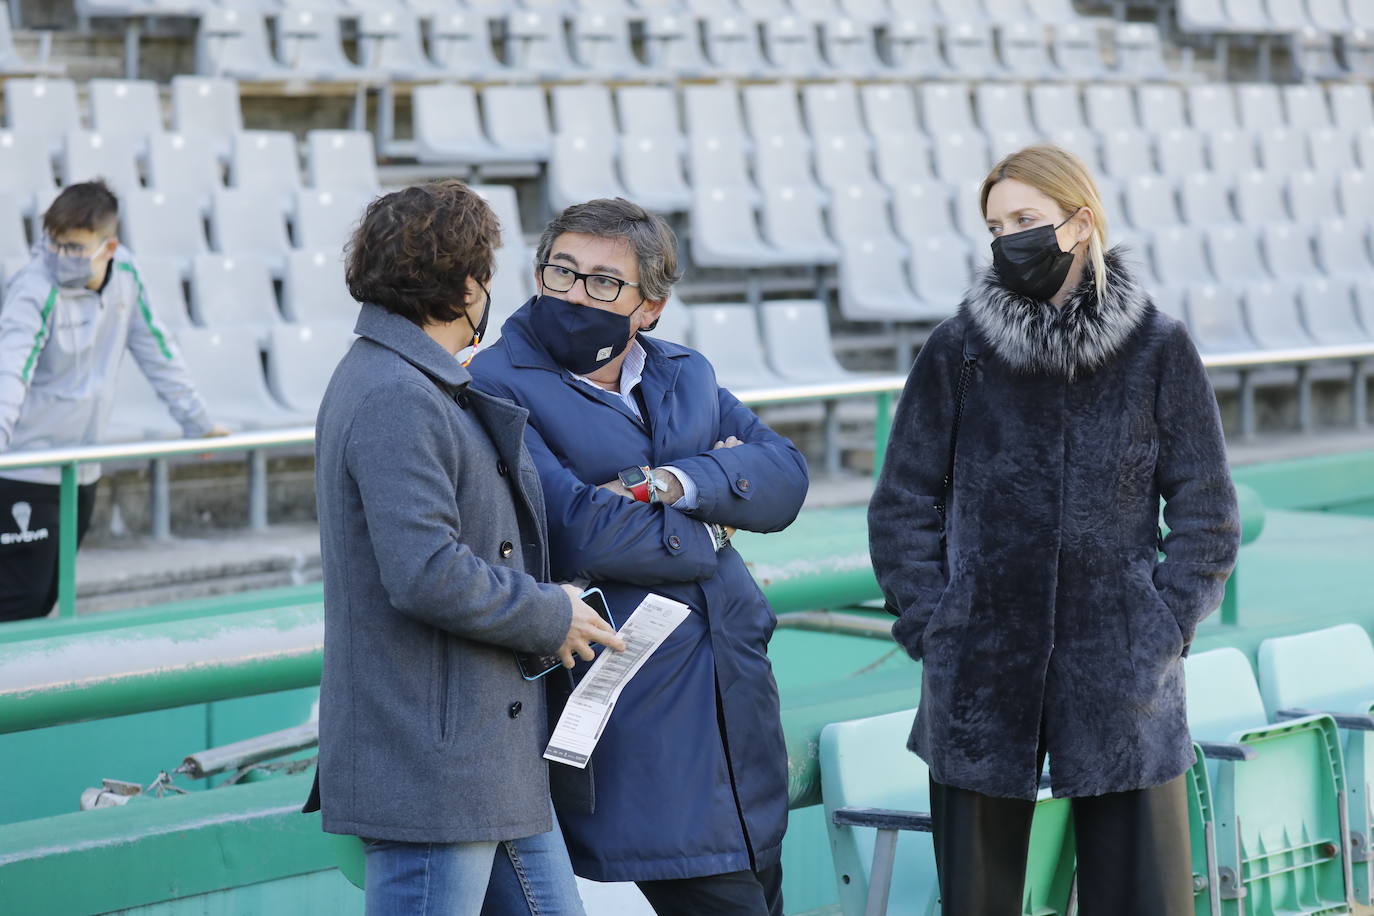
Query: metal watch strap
{"points": [[722, 539]]}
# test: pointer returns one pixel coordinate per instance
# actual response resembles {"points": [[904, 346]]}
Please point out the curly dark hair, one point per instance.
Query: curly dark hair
{"points": [[414, 250]]}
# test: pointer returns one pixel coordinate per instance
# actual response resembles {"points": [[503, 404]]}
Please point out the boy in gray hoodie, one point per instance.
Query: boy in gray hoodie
{"points": [[68, 316]]}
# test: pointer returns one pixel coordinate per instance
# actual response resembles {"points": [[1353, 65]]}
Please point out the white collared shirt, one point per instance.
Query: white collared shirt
{"points": [[631, 374]]}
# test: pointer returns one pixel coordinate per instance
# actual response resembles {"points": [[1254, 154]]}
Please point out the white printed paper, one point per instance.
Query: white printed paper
{"points": [[589, 707]]}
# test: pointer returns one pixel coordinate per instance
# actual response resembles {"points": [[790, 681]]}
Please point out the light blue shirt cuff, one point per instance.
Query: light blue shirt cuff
{"points": [[689, 489]]}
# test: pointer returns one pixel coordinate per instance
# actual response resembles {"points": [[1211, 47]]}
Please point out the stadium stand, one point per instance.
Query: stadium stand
{"points": [[845, 167], [12, 62]]}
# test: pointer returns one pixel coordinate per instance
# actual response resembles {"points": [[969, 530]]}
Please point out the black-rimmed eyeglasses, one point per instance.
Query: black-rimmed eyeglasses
{"points": [[600, 287]]}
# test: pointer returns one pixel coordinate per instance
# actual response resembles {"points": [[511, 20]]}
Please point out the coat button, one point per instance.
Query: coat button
{"points": [[507, 548], [463, 401], [674, 541], [501, 467], [515, 709], [743, 484]]}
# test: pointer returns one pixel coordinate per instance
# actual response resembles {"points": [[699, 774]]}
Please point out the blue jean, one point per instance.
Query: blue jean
{"points": [[526, 877]]}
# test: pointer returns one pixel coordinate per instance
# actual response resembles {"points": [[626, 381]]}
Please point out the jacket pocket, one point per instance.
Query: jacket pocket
{"points": [[1154, 623], [905, 631], [1171, 619]]}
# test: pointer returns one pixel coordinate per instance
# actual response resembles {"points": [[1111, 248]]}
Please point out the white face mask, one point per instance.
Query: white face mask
{"points": [[71, 271]]}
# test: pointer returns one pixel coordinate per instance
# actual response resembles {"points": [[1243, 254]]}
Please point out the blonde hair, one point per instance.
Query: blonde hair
{"points": [[1063, 178]]}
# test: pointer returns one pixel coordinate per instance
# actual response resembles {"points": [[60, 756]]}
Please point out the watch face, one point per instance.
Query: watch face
{"points": [[633, 477]]}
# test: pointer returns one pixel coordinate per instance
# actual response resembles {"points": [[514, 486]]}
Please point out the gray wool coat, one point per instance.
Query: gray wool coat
{"points": [[1050, 602], [434, 550]]}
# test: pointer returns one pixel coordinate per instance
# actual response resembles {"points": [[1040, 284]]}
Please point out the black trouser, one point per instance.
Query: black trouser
{"points": [[29, 519], [1133, 851], [736, 893]]}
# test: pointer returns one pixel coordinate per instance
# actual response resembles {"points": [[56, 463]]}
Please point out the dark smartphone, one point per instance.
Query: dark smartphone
{"points": [[533, 667]]}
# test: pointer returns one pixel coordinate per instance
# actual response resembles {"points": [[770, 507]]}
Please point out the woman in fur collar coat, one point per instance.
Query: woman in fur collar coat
{"points": [[1033, 590]]}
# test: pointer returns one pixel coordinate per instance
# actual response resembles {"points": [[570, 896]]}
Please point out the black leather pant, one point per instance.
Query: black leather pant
{"points": [[1134, 857]]}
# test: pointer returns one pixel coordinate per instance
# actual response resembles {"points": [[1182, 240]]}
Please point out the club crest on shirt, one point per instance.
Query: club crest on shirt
{"points": [[22, 513]]}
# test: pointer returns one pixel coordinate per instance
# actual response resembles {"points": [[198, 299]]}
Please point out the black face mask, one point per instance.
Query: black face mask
{"points": [[479, 331], [1031, 262]]}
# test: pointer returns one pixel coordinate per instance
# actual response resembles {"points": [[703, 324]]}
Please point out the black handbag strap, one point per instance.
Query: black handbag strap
{"points": [[971, 352]]}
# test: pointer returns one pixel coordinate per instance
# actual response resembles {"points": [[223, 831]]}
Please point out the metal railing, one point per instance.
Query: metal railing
{"points": [[258, 444], [881, 388], [1246, 363]]}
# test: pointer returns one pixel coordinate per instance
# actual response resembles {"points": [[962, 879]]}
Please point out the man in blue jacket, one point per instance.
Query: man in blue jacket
{"points": [[648, 466]]}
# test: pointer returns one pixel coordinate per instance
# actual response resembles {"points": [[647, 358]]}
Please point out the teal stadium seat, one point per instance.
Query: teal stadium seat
{"points": [[1332, 670], [1203, 843], [1277, 796], [868, 777]]}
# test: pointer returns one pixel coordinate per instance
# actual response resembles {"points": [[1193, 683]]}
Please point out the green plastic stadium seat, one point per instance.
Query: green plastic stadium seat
{"points": [[1278, 812], [1202, 830], [1332, 670], [869, 777]]}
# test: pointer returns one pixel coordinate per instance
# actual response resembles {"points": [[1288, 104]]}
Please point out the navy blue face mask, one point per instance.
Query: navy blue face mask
{"points": [[580, 338]]}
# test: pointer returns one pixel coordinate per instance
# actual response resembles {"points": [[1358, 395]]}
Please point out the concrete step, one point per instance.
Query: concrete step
{"points": [[136, 572]]}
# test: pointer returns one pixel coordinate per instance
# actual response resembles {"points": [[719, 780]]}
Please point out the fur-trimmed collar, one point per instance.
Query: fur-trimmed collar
{"points": [[1036, 336]]}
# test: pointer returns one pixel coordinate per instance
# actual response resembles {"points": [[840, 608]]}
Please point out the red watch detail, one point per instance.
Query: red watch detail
{"points": [[639, 482]]}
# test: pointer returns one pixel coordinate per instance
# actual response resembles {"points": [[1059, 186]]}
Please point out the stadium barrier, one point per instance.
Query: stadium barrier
{"points": [[882, 388]]}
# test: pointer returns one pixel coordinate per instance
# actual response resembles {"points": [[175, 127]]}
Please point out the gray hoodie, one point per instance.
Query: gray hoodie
{"points": [[60, 351]]}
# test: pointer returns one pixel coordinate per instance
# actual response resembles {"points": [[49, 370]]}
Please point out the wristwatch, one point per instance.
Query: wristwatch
{"points": [[640, 483], [722, 538]]}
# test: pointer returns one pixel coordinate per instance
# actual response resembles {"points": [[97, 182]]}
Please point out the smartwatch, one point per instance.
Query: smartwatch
{"points": [[639, 482]]}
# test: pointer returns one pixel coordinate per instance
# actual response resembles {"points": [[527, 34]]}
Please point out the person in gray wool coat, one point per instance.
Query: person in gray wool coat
{"points": [[1015, 531], [436, 569]]}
